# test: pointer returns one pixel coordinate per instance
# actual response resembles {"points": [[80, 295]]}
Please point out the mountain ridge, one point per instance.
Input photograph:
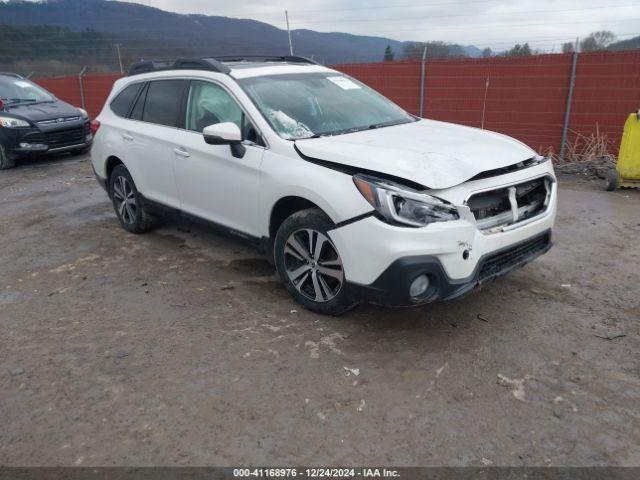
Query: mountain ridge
{"points": [[130, 24]]}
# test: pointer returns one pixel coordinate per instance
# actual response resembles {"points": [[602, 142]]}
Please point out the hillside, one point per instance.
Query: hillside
{"points": [[629, 44], [150, 32]]}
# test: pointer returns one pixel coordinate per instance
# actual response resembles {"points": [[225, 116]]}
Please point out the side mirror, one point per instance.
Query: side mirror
{"points": [[226, 133]]}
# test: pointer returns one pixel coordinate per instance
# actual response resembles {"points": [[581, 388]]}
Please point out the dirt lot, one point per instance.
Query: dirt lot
{"points": [[180, 347]]}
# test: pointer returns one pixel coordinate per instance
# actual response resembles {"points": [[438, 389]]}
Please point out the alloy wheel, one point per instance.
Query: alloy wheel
{"points": [[125, 200], [313, 265]]}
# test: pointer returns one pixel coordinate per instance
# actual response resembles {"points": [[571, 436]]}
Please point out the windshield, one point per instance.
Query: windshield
{"points": [[18, 90], [318, 104]]}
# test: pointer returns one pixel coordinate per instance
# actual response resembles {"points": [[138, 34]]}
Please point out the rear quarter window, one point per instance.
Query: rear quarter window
{"points": [[163, 102], [122, 103]]}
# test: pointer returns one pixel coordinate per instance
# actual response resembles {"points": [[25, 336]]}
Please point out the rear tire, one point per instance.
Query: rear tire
{"points": [[309, 264], [613, 177], [127, 202], [5, 161]]}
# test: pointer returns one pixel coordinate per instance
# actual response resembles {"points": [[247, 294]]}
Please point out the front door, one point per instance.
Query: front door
{"points": [[212, 183]]}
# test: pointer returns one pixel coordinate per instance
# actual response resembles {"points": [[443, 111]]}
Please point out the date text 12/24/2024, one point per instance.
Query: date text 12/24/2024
{"points": [[315, 472]]}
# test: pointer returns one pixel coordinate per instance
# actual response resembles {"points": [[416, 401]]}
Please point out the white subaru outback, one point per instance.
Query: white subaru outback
{"points": [[350, 196]]}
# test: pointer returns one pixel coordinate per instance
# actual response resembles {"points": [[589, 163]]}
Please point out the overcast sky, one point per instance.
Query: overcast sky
{"points": [[545, 24]]}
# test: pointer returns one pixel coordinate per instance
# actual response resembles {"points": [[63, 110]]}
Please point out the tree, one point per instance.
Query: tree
{"points": [[597, 41], [388, 54], [414, 50], [486, 53], [519, 51], [568, 47]]}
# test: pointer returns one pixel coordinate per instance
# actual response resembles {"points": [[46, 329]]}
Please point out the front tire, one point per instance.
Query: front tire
{"points": [[5, 161], [127, 202], [309, 263]]}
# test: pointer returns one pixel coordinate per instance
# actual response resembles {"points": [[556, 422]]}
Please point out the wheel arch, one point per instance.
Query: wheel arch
{"points": [[284, 208], [111, 163]]}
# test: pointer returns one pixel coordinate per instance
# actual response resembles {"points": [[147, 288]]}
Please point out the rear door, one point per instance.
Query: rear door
{"points": [[213, 184], [150, 136]]}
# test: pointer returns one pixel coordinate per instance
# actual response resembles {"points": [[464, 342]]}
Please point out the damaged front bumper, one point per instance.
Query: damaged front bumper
{"points": [[392, 287], [382, 260]]}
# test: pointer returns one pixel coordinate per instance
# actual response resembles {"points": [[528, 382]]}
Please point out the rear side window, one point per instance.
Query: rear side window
{"points": [[138, 108], [122, 103], [163, 102]]}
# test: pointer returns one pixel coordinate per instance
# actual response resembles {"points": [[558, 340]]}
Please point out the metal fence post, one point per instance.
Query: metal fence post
{"points": [[80, 75], [422, 71], [567, 112]]}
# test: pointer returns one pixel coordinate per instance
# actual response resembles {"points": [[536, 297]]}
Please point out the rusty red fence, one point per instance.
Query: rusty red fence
{"points": [[524, 97]]}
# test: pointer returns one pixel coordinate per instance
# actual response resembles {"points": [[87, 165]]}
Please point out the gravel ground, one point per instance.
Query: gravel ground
{"points": [[180, 347]]}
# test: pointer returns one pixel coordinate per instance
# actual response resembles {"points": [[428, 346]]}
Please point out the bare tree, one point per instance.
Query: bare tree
{"points": [[568, 47], [597, 41], [486, 53]]}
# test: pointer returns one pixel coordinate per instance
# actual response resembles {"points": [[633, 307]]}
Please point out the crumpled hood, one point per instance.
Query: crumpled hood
{"points": [[434, 154], [42, 111]]}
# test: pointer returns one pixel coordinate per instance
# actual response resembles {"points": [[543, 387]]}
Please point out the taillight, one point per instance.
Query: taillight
{"points": [[95, 125]]}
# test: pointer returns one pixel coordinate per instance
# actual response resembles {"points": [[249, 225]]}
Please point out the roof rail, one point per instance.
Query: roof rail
{"points": [[146, 66], [11, 74], [213, 64], [210, 64], [265, 58]]}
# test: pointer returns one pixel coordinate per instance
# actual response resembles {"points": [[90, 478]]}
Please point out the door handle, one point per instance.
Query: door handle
{"points": [[181, 152], [127, 137]]}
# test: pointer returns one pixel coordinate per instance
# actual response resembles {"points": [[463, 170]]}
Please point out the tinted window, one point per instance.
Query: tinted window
{"points": [[122, 103], [163, 102], [136, 113]]}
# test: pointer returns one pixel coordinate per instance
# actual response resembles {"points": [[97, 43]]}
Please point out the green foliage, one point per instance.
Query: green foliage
{"points": [[519, 51], [45, 42], [388, 54], [414, 50]]}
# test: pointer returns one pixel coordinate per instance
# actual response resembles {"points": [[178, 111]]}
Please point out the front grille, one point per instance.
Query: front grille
{"points": [[506, 260], [510, 205], [59, 120], [67, 138]]}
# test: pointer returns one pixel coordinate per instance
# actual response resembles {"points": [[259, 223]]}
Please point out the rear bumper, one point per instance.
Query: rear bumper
{"points": [[391, 288]]}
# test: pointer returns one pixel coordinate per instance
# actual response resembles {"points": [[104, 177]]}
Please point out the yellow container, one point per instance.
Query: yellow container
{"points": [[627, 173]]}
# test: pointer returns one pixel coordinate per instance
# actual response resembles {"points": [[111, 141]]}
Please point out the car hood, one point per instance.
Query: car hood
{"points": [[433, 154], [42, 111]]}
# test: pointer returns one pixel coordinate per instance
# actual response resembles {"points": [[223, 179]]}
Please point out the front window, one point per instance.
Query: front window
{"points": [[18, 90], [320, 104], [209, 104]]}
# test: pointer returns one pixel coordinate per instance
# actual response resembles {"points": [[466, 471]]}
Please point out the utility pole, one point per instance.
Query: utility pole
{"points": [[286, 16], [484, 104], [422, 73], [567, 111], [119, 57]]}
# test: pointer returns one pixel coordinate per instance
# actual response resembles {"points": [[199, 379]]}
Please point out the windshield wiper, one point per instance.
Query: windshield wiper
{"points": [[17, 101], [386, 124]]}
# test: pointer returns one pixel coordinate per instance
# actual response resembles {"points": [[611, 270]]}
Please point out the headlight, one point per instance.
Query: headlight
{"points": [[400, 204], [84, 113], [8, 122]]}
